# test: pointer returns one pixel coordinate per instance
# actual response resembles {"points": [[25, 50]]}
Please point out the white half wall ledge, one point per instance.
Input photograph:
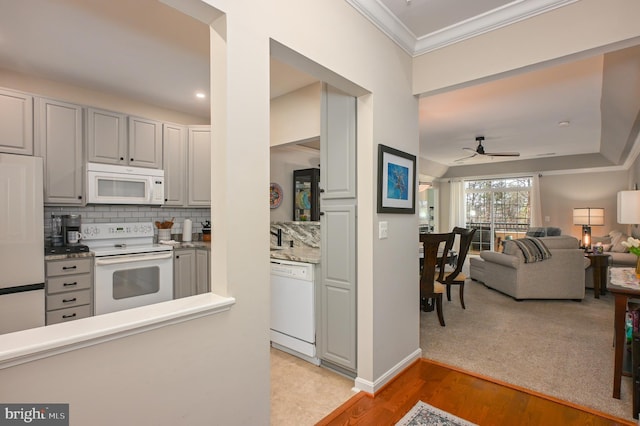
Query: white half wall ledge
{"points": [[373, 387], [42, 342]]}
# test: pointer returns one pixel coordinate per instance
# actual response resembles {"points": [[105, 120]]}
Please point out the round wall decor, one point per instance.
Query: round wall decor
{"points": [[275, 195]]}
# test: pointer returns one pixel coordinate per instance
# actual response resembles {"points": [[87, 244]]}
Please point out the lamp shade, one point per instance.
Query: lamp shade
{"points": [[588, 216], [629, 207]]}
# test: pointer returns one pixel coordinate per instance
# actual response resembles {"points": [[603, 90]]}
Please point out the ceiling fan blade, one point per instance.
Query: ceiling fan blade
{"points": [[470, 150], [502, 154], [460, 160]]}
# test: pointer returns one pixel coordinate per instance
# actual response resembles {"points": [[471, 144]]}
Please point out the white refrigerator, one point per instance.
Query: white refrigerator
{"points": [[22, 299]]}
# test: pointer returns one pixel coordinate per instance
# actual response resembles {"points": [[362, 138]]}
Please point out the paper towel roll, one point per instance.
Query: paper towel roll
{"points": [[186, 230]]}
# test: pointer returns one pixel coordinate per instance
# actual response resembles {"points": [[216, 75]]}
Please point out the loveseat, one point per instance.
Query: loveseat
{"points": [[619, 256], [612, 245], [561, 276]]}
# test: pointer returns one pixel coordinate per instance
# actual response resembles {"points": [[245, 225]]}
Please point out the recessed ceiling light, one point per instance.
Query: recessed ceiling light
{"points": [[565, 123], [200, 95]]}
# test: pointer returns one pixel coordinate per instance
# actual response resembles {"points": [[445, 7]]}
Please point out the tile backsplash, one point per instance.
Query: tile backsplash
{"points": [[120, 213]]}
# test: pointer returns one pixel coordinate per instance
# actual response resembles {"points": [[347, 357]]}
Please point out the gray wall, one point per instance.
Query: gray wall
{"points": [[559, 194]]}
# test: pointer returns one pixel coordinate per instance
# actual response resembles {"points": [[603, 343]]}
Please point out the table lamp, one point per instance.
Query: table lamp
{"points": [[588, 216]]}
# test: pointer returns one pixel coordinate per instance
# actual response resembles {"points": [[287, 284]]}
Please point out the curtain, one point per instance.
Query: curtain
{"points": [[457, 214], [536, 210]]}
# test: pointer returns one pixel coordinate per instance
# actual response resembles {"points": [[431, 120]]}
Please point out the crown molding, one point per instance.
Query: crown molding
{"points": [[388, 23]]}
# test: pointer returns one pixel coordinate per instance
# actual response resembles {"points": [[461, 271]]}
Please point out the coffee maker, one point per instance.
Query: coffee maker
{"points": [[65, 235], [71, 229]]}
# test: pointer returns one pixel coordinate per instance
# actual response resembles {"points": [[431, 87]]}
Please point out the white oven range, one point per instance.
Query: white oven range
{"points": [[129, 269]]}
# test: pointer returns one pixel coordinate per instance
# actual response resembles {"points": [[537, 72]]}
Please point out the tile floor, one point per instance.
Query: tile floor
{"points": [[301, 393]]}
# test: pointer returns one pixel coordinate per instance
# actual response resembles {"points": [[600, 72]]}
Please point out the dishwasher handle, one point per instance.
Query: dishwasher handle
{"points": [[134, 258]]}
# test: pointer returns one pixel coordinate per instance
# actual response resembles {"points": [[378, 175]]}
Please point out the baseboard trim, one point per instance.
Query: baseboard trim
{"points": [[373, 387]]}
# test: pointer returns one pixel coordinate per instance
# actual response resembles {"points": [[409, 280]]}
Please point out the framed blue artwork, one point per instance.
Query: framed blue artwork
{"points": [[396, 181]]}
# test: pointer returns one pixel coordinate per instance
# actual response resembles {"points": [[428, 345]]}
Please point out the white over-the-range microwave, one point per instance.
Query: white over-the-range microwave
{"points": [[114, 184]]}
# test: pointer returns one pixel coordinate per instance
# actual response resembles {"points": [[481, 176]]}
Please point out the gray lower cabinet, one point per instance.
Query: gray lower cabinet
{"points": [[69, 289], [190, 272], [202, 271]]}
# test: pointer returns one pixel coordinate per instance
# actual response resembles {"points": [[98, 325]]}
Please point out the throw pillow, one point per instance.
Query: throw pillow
{"points": [[536, 232], [616, 243], [553, 232], [512, 249], [603, 240]]}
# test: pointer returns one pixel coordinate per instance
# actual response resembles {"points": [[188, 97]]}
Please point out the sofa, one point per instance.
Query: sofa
{"points": [[561, 276]]}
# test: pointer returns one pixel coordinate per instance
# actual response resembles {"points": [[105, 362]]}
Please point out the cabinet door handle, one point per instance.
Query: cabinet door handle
{"points": [[70, 284], [121, 158], [131, 159], [79, 197], [321, 213], [69, 316], [64, 268], [69, 300], [321, 190]]}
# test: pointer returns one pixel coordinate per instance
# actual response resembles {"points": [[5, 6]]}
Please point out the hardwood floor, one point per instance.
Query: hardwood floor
{"points": [[472, 397]]}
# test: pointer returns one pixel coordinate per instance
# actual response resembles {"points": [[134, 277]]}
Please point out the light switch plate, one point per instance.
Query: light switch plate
{"points": [[383, 230]]}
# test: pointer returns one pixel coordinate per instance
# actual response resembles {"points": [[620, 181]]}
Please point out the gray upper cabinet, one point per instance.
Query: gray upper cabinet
{"points": [[106, 136], [115, 138], [187, 165], [175, 164], [145, 143], [199, 166], [338, 144], [16, 122], [59, 142]]}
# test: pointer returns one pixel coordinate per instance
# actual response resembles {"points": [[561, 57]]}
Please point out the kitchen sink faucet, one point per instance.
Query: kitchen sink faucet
{"points": [[278, 235]]}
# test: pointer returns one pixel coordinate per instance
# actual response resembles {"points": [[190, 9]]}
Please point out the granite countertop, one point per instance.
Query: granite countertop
{"points": [[193, 244], [297, 254], [67, 255]]}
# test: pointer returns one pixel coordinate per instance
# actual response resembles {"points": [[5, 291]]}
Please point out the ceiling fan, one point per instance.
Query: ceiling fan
{"points": [[479, 150]]}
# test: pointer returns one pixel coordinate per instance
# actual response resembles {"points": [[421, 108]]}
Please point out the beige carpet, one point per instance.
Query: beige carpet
{"points": [[303, 394], [559, 348]]}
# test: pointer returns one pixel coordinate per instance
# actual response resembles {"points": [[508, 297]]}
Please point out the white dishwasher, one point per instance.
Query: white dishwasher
{"points": [[293, 314]]}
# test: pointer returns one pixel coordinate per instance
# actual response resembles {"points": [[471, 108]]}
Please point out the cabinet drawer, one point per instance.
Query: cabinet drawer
{"points": [[68, 300], [69, 314], [68, 283], [69, 266]]}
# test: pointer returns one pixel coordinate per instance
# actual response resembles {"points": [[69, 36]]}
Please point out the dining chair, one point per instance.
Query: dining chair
{"points": [[430, 288], [453, 275]]}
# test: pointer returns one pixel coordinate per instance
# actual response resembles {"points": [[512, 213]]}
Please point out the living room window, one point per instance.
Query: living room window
{"points": [[499, 209]]}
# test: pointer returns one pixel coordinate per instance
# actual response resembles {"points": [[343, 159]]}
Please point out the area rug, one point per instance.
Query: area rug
{"points": [[423, 414], [559, 348]]}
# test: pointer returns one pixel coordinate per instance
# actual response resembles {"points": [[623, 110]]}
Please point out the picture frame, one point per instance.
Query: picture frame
{"points": [[396, 181]]}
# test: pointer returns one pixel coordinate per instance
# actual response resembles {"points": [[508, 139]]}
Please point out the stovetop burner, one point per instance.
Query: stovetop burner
{"points": [[76, 248]]}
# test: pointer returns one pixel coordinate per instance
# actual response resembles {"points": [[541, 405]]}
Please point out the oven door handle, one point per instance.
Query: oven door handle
{"points": [[134, 258]]}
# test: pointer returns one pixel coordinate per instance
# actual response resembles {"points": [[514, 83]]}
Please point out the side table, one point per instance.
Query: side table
{"points": [[600, 266], [623, 285]]}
